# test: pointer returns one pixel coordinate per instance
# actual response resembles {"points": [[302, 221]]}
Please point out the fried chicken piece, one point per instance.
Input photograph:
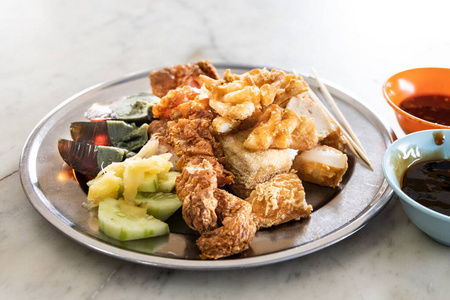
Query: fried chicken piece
{"points": [[205, 208], [279, 200], [280, 128], [166, 79], [195, 188], [223, 176], [195, 109], [174, 98], [236, 232], [192, 137], [157, 129]]}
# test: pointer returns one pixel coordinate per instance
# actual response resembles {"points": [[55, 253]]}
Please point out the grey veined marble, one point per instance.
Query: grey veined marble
{"points": [[52, 50]]}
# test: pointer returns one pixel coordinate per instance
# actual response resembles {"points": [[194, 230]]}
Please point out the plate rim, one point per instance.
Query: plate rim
{"points": [[30, 187]]}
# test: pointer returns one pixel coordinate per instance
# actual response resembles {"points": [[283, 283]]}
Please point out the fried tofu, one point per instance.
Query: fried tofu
{"points": [[279, 200], [327, 130], [251, 168], [322, 165]]}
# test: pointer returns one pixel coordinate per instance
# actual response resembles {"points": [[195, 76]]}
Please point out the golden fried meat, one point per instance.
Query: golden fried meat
{"points": [[170, 78], [237, 230], [279, 200], [223, 176], [195, 109], [195, 188], [192, 137], [174, 98]]}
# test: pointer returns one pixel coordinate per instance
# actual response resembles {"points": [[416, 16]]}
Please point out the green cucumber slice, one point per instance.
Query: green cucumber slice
{"points": [[150, 184], [120, 226], [166, 181], [160, 205]]}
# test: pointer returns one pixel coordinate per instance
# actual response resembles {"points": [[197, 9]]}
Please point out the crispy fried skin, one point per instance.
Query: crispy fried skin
{"points": [[280, 128], [195, 109], [224, 220], [236, 232], [195, 187], [174, 98], [157, 129], [279, 200], [192, 137], [237, 97], [166, 79], [223, 176]]}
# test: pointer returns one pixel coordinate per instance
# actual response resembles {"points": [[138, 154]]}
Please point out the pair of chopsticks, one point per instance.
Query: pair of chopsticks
{"points": [[353, 142]]}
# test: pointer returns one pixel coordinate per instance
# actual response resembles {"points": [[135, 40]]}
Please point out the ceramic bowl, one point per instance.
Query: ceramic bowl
{"points": [[418, 146], [415, 82]]}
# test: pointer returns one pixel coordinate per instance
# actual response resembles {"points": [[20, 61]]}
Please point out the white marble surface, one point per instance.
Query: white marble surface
{"points": [[53, 49]]}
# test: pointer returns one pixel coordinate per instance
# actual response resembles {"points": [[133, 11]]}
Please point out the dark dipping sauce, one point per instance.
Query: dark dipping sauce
{"points": [[432, 108], [428, 183]]}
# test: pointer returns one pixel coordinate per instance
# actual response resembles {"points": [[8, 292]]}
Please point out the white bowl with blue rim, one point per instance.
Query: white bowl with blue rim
{"points": [[412, 148]]}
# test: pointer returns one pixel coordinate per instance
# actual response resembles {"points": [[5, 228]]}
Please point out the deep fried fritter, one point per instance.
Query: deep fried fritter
{"points": [[157, 129], [174, 98], [223, 176], [195, 109], [237, 97], [166, 79], [236, 232], [280, 128], [195, 188], [224, 125], [279, 200], [192, 137], [205, 208]]}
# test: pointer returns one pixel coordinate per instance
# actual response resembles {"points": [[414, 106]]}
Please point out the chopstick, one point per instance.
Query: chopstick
{"points": [[352, 145], [336, 109], [353, 142]]}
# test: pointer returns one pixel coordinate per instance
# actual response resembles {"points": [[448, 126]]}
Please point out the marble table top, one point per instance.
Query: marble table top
{"points": [[54, 49]]}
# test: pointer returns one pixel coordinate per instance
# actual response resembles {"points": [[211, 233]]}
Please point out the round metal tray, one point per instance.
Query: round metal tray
{"points": [[52, 190]]}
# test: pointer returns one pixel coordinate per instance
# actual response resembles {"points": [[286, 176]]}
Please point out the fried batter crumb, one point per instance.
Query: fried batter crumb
{"points": [[279, 200]]}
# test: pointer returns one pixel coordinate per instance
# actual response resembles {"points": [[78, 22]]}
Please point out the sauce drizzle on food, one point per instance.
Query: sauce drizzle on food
{"points": [[428, 183], [432, 108]]}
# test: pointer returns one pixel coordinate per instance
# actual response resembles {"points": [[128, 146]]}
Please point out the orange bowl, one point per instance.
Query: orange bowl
{"points": [[416, 82]]}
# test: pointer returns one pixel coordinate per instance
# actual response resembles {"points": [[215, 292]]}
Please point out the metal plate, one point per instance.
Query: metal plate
{"points": [[52, 190]]}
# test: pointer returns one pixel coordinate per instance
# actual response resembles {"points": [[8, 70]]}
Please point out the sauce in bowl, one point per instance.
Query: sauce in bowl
{"points": [[432, 108], [428, 183]]}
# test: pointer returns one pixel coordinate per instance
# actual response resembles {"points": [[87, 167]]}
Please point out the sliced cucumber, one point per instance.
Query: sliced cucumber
{"points": [[159, 205], [150, 184], [166, 181], [120, 226]]}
